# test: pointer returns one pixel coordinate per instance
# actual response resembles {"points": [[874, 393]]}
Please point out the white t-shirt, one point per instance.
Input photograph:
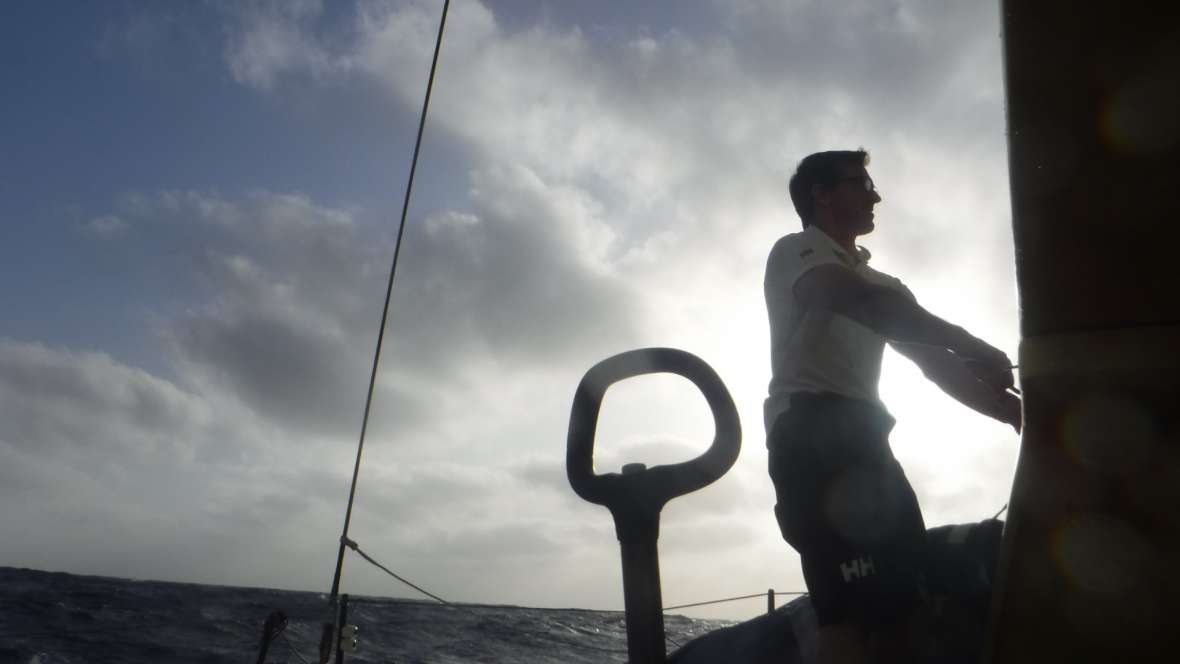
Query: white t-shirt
{"points": [[817, 350]]}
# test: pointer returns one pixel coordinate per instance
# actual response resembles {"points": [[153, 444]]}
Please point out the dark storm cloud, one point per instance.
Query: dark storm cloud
{"points": [[51, 399], [283, 325], [107, 460], [683, 135], [292, 296], [292, 373], [521, 279]]}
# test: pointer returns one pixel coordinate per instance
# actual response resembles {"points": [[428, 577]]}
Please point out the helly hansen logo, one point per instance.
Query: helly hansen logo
{"points": [[857, 568], [805, 253]]}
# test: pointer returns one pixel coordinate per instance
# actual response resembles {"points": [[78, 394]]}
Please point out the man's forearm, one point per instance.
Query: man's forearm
{"points": [[890, 313], [898, 318]]}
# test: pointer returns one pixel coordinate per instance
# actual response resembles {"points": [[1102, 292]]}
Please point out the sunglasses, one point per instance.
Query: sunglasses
{"points": [[864, 180]]}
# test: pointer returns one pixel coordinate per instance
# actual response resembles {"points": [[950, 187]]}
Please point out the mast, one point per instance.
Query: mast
{"points": [[1087, 569]]}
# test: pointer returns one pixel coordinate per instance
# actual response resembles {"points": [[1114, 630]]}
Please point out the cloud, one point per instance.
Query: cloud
{"points": [[106, 225], [275, 45], [284, 317], [684, 138], [526, 276], [292, 294], [105, 402], [102, 462], [269, 364], [618, 187]]}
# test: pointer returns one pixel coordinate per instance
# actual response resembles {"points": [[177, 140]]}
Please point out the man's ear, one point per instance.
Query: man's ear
{"points": [[818, 194]]}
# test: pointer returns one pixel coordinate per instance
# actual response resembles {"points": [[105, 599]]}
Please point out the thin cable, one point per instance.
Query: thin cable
{"points": [[385, 310], [730, 599], [353, 545], [1000, 512], [290, 645]]}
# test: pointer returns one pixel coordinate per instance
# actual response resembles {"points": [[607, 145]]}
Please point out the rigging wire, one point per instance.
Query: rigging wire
{"points": [[330, 626], [731, 599], [294, 650], [356, 547], [385, 312], [353, 545]]}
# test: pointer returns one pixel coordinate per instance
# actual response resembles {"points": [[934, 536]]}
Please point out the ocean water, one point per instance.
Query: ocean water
{"points": [[57, 618]]}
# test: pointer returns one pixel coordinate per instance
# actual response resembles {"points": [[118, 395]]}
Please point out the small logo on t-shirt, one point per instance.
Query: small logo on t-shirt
{"points": [[805, 253]]}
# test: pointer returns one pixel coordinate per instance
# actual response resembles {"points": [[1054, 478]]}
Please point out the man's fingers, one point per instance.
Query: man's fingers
{"points": [[999, 376], [979, 350]]}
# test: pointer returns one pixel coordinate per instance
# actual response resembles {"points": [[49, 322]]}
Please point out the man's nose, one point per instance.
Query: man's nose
{"points": [[876, 196]]}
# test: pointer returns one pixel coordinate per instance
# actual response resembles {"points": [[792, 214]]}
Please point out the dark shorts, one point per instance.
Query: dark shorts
{"points": [[846, 506]]}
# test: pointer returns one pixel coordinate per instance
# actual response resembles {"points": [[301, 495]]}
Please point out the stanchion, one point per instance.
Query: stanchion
{"points": [[342, 623]]}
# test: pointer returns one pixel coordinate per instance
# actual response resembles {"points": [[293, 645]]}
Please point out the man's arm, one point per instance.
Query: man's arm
{"points": [[950, 373], [895, 316]]}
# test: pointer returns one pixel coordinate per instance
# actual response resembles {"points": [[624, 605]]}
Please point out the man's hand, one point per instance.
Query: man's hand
{"points": [[995, 373], [982, 387], [1008, 411], [988, 363]]}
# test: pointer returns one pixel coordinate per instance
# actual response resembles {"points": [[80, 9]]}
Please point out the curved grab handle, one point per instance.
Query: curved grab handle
{"points": [[636, 496], [654, 486]]}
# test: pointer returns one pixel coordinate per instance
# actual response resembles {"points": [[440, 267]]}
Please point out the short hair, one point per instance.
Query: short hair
{"points": [[822, 168]]}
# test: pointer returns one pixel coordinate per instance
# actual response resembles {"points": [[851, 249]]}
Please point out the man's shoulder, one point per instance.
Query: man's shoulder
{"points": [[793, 246], [795, 254], [877, 272]]}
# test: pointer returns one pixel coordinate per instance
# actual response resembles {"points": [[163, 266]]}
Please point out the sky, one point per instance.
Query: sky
{"points": [[199, 204]]}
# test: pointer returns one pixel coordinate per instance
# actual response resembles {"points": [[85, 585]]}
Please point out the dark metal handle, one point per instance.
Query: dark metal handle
{"points": [[636, 496], [661, 483]]}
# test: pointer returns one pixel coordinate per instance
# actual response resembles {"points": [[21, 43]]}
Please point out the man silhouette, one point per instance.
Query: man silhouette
{"points": [[843, 501]]}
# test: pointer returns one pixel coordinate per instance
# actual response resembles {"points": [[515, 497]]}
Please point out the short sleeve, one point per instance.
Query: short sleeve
{"points": [[791, 258], [902, 288]]}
